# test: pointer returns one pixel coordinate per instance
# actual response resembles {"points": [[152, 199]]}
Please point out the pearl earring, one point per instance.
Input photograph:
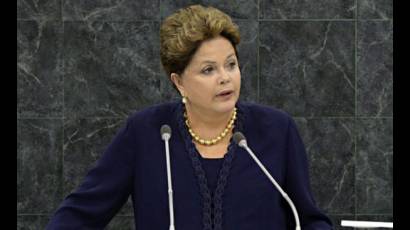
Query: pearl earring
{"points": [[184, 99]]}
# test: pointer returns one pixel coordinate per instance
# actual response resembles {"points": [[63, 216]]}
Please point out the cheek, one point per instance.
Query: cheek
{"points": [[237, 79], [202, 89]]}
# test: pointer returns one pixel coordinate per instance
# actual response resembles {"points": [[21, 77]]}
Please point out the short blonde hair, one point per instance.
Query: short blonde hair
{"points": [[182, 33]]}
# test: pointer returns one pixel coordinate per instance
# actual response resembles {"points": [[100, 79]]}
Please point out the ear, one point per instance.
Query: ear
{"points": [[177, 80]]}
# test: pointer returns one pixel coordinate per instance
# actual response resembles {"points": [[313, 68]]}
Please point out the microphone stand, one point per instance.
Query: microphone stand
{"points": [[241, 141], [166, 135]]}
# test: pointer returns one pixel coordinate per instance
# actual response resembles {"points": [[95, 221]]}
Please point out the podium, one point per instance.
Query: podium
{"points": [[366, 224]]}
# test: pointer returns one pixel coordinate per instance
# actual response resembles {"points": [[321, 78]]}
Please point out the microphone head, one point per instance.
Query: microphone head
{"points": [[238, 137], [165, 129]]}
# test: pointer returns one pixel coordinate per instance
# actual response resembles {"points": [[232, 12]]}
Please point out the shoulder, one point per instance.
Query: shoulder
{"points": [[153, 115], [266, 115]]}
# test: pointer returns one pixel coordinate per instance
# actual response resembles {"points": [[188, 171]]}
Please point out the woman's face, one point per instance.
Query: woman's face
{"points": [[212, 70]]}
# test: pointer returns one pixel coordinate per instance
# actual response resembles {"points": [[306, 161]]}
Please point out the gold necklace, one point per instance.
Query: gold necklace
{"points": [[215, 140]]}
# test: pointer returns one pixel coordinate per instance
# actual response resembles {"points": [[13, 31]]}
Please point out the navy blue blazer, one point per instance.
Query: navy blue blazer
{"points": [[134, 164]]}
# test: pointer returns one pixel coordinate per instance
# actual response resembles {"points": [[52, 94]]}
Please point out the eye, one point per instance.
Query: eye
{"points": [[232, 65], [207, 70]]}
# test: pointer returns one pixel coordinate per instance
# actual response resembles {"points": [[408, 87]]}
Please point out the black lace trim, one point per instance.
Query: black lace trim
{"points": [[212, 205]]}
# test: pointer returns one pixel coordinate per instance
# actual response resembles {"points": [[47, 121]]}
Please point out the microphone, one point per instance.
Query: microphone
{"points": [[165, 136], [165, 132], [240, 140]]}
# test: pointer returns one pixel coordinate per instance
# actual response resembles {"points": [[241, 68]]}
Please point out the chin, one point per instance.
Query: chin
{"points": [[226, 106]]}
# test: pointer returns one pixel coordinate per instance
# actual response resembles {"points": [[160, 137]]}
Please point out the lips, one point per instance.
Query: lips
{"points": [[225, 92]]}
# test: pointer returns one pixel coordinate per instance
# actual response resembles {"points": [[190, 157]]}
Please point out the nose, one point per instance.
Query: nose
{"points": [[224, 78]]}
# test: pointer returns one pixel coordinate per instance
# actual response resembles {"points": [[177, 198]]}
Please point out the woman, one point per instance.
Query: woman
{"points": [[215, 183]]}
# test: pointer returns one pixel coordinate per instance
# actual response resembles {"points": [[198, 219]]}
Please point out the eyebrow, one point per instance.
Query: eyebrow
{"points": [[213, 62]]}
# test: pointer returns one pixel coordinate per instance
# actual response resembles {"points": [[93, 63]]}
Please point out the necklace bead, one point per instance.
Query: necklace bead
{"points": [[215, 140]]}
